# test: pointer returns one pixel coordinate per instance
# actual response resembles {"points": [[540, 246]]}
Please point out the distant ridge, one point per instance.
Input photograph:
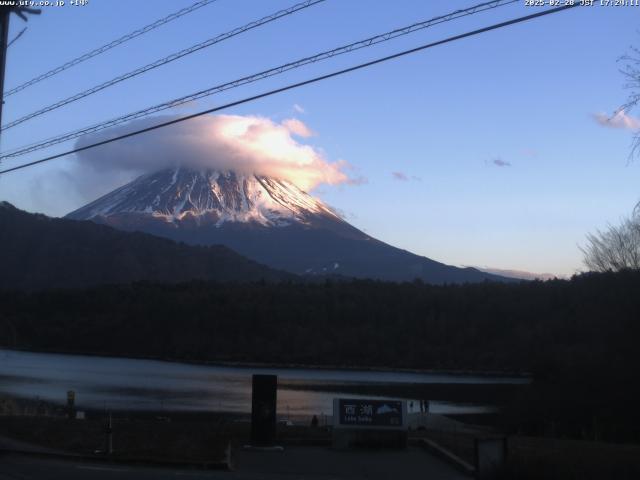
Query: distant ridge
{"points": [[520, 274], [39, 252]]}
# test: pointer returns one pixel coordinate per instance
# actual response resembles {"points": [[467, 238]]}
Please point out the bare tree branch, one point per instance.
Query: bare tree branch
{"points": [[614, 249], [631, 72]]}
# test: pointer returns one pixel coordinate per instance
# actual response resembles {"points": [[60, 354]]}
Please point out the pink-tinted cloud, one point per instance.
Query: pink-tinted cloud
{"points": [[620, 120], [250, 144], [298, 127]]}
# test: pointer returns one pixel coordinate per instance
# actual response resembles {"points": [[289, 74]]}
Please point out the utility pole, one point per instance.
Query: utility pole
{"points": [[5, 13], [4, 40]]}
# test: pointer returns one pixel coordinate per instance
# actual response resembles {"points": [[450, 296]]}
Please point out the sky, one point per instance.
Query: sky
{"points": [[492, 151]]}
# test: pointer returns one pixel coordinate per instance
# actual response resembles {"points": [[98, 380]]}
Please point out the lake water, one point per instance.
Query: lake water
{"points": [[132, 384]]}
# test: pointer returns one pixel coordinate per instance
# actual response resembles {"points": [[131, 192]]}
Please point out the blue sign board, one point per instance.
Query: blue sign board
{"points": [[369, 413]]}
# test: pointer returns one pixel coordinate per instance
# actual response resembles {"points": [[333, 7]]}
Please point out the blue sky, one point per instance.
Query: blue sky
{"points": [[523, 96]]}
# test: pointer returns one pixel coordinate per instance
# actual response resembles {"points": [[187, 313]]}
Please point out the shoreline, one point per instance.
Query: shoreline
{"points": [[464, 393], [266, 365]]}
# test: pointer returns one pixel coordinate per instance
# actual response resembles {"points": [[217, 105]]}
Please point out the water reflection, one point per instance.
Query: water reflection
{"points": [[129, 384]]}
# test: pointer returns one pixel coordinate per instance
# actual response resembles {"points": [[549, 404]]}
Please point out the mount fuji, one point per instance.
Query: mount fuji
{"points": [[268, 220]]}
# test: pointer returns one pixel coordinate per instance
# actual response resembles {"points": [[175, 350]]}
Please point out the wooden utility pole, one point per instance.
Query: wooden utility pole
{"points": [[5, 13], [4, 40]]}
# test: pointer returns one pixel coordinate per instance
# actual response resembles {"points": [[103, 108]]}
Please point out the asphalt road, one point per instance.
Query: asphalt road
{"points": [[294, 463], [324, 463], [25, 467]]}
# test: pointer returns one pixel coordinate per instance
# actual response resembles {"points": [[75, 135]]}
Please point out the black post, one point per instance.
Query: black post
{"points": [[108, 436], [263, 409], [71, 404]]}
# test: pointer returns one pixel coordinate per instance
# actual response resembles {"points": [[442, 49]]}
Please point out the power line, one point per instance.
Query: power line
{"points": [[168, 59], [20, 33], [297, 85], [259, 76], [110, 45]]}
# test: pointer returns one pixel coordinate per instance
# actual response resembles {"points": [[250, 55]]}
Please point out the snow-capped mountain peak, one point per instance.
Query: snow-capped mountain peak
{"points": [[209, 196]]}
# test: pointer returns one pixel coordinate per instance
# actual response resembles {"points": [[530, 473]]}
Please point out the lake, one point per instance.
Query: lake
{"points": [[134, 384]]}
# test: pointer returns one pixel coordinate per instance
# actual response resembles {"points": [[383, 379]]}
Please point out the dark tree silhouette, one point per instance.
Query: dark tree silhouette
{"points": [[616, 248]]}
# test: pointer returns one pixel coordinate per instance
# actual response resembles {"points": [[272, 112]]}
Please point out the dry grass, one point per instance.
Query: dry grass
{"points": [[140, 439]]}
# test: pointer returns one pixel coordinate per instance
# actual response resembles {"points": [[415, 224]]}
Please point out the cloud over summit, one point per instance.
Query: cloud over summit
{"points": [[249, 144]]}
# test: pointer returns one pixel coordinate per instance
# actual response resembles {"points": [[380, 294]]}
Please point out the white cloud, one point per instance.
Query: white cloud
{"points": [[298, 108], [619, 120], [250, 144]]}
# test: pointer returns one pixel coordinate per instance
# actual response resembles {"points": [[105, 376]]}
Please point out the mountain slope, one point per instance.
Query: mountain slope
{"points": [[38, 252], [268, 220]]}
